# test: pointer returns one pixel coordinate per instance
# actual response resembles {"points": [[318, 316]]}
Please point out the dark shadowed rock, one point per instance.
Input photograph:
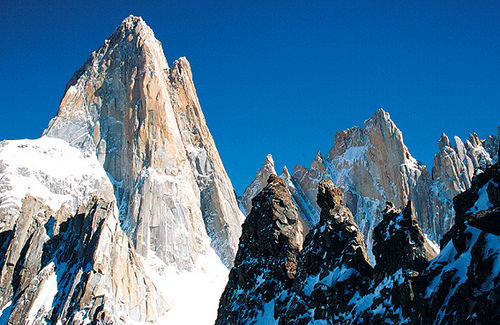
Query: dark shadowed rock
{"points": [[479, 205], [266, 261], [333, 266], [399, 242], [335, 284], [463, 282]]}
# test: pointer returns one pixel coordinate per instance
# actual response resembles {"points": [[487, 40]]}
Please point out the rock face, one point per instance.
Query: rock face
{"points": [[258, 183], [463, 282], [306, 183], [334, 256], [266, 262], [399, 242], [454, 167], [65, 269], [129, 129], [74, 265], [410, 284], [218, 202], [372, 165], [143, 121]]}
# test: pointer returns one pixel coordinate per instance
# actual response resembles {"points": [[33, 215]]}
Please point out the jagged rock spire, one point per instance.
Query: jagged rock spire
{"points": [[333, 266], [258, 183], [399, 242], [143, 121], [62, 269], [267, 256]]}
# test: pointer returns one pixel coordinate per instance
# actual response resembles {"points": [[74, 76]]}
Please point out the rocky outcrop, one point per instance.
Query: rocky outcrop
{"points": [[399, 242], [463, 282], [73, 269], [401, 252], [143, 121], [410, 284], [307, 181], [50, 170], [333, 266], [266, 262], [454, 167]]}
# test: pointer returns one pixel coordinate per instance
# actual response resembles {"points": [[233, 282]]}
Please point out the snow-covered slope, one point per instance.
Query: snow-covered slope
{"points": [[63, 255], [50, 170]]}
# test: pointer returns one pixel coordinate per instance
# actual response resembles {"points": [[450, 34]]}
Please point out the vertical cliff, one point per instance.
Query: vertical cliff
{"points": [[143, 121]]}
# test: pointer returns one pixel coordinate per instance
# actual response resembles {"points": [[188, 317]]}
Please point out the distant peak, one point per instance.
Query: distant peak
{"points": [[269, 161], [285, 173], [443, 141], [132, 21], [382, 114], [382, 111], [131, 27], [381, 118]]}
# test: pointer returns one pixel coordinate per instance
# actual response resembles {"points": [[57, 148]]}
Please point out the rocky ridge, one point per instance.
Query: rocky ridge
{"points": [[372, 165], [334, 255], [56, 267], [411, 283]]}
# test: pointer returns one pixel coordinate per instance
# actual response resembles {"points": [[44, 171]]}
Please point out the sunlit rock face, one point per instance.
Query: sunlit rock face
{"points": [[258, 183], [372, 165], [64, 268], [454, 167], [143, 122], [218, 202]]}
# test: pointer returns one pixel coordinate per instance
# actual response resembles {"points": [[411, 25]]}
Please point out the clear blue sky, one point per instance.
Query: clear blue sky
{"points": [[278, 78]]}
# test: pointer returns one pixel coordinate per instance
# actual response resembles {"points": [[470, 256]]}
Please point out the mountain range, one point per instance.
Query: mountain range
{"points": [[122, 213]]}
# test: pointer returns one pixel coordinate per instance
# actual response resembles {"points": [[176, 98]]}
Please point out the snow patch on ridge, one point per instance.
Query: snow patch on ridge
{"points": [[483, 202], [50, 170], [45, 296]]}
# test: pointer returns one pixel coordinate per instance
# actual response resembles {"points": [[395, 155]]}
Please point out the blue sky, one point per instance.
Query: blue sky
{"points": [[278, 78]]}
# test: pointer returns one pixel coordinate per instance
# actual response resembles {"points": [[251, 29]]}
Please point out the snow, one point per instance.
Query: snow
{"points": [[353, 153], [433, 245], [45, 297], [458, 267], [492, 250], [193, 296], [483, 202], [50, 170]]}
